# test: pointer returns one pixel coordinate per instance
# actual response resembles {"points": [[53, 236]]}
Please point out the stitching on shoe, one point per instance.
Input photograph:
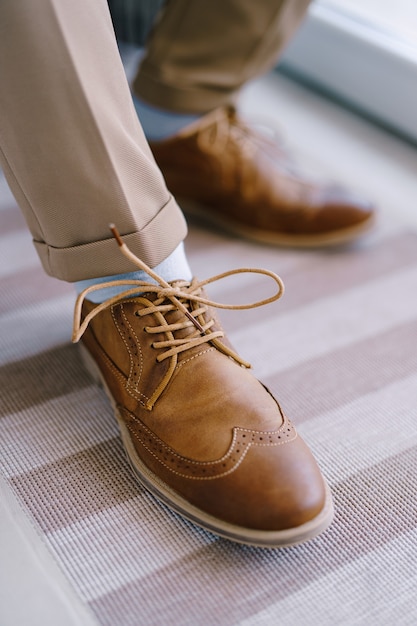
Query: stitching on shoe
{"points": [[242, 440], [194, 357], [117, 374], [130, 383], [131, 389]]}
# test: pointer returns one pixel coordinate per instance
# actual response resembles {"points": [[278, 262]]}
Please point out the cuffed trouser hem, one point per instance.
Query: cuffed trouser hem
{"points": [[73, 150], [103, 258]]}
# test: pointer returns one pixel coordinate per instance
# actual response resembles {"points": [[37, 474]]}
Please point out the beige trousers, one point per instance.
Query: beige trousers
{"points": [[71, 146], [202, 51]]}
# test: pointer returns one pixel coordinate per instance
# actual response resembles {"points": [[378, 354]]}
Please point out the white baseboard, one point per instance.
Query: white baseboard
{"points": [[372, 70]]}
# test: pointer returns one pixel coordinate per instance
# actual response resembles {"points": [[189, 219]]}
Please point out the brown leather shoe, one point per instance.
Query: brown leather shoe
{"points": [[240, 180], [201, 433]]}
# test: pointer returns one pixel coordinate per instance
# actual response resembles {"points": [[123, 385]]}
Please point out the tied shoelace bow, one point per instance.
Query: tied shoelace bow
{"points": [[180, 295]]}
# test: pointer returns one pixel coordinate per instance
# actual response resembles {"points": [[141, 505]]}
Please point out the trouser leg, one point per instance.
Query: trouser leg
{"points": [[71, 146], [201, 52]]}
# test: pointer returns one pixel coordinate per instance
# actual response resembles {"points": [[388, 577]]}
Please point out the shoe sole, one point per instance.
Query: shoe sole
{"points": [[169, 497], [335, 238]]}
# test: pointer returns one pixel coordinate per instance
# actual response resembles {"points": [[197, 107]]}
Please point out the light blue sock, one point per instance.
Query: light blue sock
{"points": [[174, 267], [160, 124]]}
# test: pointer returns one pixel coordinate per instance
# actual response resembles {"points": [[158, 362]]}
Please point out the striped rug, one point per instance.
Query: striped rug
{"points": [[339, 351]]}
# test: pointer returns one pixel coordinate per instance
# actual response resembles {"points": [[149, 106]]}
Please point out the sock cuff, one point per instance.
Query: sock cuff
{"points": [[174, 267], [159, 124]]}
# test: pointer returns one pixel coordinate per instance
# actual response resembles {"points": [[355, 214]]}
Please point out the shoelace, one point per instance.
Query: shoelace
{"points": [[180, 295]]}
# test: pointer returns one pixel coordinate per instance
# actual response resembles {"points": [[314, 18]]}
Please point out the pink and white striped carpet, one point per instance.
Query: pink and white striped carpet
{"points": [[339, 351]]}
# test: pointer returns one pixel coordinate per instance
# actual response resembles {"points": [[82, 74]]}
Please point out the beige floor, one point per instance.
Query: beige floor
{"points": [[327, 139]]}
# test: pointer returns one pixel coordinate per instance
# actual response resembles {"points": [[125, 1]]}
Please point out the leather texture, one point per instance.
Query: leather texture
{"points": [[198, 420], [240, 179]]}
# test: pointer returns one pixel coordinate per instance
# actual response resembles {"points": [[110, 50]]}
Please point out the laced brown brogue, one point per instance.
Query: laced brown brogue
{"points": [[201, 433], [221, 169]]}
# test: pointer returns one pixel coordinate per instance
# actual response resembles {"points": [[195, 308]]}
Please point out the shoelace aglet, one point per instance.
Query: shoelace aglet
{"points": [[194, 321], [116, 234]]}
